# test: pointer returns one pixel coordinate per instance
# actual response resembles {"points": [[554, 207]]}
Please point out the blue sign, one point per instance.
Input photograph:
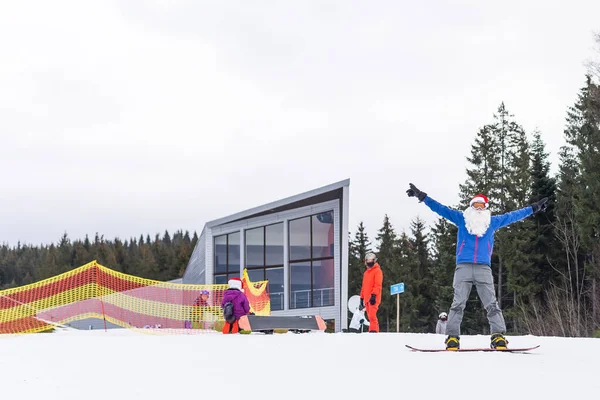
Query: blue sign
{"points": [[397, 288]]}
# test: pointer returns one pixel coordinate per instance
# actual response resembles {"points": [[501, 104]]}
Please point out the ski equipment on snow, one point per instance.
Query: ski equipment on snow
{"points": [[358, 316], [473, 349]]}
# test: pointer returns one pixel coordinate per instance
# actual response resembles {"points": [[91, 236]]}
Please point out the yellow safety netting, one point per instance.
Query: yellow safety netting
{"points": [[94, 291]]}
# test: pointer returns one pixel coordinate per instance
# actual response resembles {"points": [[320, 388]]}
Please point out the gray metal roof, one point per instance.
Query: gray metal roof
{"points": [[265, 208]]}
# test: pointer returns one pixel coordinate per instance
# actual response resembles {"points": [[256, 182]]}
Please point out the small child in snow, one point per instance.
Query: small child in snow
{"points": [[235, 305], [199, 309], [441, 324], [202, 300]]}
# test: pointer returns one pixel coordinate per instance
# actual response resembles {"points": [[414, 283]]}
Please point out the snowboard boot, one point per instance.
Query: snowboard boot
{"points": [[498, 341], [452, 343]]}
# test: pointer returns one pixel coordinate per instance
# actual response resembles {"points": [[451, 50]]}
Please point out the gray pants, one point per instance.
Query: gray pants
{"points": [[480, 275]]}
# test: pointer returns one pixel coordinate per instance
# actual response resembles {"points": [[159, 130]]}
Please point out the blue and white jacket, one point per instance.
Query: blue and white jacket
{"points": [[472, 248]]}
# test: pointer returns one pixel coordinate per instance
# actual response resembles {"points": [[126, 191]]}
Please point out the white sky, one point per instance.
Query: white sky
{"points": [[128, 118]]}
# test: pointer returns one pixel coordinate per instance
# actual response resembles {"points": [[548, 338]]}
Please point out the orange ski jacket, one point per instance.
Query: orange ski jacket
{"points": [[372, 283]]}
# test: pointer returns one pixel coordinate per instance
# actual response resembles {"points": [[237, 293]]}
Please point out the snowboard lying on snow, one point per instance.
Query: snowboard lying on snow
{"points": [[270, 324], [507, 350]]}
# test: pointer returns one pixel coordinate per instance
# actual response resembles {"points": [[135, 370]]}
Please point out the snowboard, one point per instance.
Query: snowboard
{"points": [[270, 324], [473, 349], [358, 317]]}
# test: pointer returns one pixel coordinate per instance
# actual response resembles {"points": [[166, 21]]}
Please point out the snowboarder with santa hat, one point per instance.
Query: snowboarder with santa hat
{"points": [[235, 305], [474, 246]]}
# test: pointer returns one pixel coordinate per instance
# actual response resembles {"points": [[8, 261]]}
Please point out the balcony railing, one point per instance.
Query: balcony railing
{"points": [[321, 298]]}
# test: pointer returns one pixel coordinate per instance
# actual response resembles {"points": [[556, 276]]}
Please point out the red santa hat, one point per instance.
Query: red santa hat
{"points": [[480, 198], [235, 283]]}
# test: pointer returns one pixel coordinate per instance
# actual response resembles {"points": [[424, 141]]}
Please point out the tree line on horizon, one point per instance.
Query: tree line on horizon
{"points": [[161, 258]]}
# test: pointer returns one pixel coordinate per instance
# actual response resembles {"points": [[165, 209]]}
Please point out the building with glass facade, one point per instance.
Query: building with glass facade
{"points": [[299, 244]]}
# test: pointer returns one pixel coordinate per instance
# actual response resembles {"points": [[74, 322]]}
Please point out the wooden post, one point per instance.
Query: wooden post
{"points": [[398, 312]]}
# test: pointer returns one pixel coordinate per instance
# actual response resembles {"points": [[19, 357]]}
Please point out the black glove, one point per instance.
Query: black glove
{"points": [[540, 205], [372, 299], [414, 192], [361, 306]]}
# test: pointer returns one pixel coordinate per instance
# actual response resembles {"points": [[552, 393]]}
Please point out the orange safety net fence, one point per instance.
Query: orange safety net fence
{"points": [[257, 294], [94, 291]]}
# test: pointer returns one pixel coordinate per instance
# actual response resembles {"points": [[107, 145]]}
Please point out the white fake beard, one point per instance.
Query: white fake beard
{"points": [[477, 221]]}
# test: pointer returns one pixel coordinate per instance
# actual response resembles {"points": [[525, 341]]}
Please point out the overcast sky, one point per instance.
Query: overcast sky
{"points": [[133, 117]]}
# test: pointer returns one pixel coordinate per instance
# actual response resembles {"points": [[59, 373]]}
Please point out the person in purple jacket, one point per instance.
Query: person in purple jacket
{"points": [[235, 305], [474, 246]]}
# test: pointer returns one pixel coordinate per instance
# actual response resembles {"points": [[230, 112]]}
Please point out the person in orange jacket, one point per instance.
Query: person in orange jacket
{"points": [[371, 290]]}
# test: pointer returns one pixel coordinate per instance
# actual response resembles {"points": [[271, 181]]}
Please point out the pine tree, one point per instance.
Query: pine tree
{"points": [[184, 250], [359, 247], [51, 263], [65, 259], [81, 254], [387, 256], [482, 176], [544, 245], [407, 261], [443, 264], [120, 254], [586, 141], [511, 147], [577, 217], [518, 237], [421, 284], [566, 227]]}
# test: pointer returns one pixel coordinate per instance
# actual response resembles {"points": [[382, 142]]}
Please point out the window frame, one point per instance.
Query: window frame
{"points": [[264, 267], [310, 260], [228, 274]]}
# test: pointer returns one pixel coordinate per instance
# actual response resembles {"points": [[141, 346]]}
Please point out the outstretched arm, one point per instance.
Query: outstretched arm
{"points": [[446, 212], [452, 215], [500, 221]]}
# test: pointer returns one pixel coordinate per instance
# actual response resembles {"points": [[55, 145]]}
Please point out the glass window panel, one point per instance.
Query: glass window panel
{"points": [[233, 252], [220, 279], [323, 278], [255, 247], [275, 278], [232, 275], [300, 239], [221, 253], [300, 284], [274, 242], [256, 275], [322, 235]]}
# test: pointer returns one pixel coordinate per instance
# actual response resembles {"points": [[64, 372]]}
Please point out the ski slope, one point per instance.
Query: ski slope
{"points": [[120, 364]]}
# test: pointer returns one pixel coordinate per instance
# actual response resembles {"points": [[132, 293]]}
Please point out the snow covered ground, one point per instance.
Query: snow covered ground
{"points": [[120, 364]]}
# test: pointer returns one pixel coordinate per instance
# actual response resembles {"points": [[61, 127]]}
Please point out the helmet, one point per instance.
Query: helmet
{"points": [[204, 292], [443, 315], [370, 256]]}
